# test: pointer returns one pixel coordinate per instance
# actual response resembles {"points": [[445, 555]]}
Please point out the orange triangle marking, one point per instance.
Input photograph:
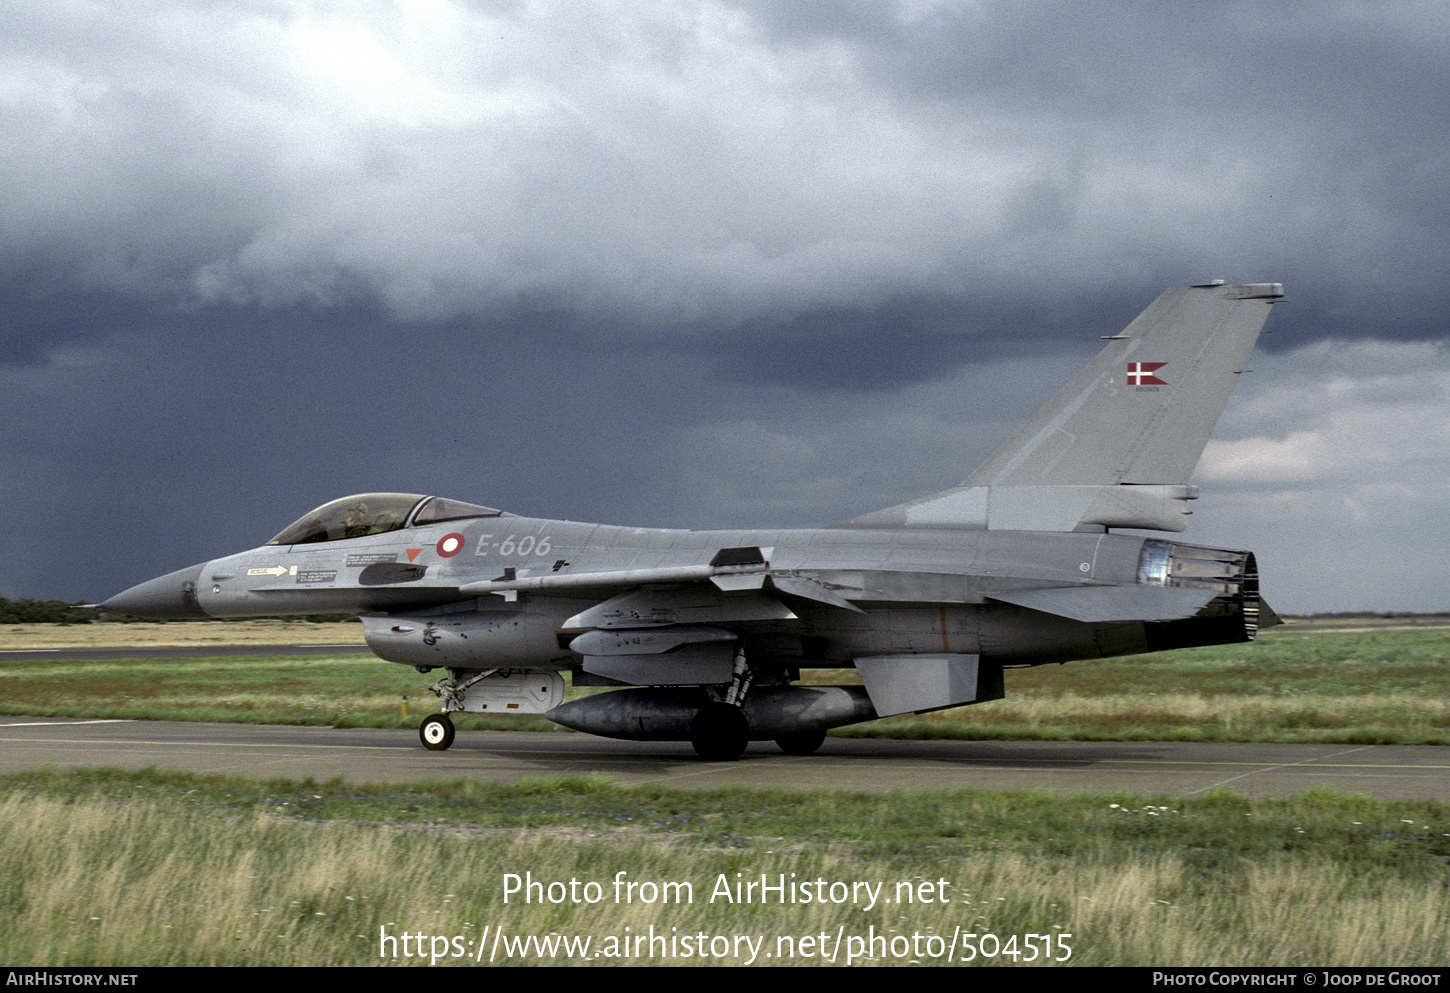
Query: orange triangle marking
{"points": [[413, 553]]}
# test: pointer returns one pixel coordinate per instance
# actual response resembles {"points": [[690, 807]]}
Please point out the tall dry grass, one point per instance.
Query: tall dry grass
{"points": [[106, 882]]}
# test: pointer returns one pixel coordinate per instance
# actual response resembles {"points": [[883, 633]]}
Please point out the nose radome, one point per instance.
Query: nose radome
{"points": [[168, 597]]}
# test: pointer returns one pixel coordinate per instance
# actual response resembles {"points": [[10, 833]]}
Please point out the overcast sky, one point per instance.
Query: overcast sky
{"points": [[704, 263]]}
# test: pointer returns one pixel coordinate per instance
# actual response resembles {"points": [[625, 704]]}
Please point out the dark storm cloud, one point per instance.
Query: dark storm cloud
{"points": [[696, 168], [909, 339], [1302, 134]]}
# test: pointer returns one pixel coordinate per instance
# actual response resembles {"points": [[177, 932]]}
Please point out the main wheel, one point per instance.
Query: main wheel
{"points": [[436, 732], [720, 732], [801, 743]]}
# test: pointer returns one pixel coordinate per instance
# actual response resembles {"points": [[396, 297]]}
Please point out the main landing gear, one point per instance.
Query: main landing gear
{"points": [[720, 730], [801, 743]]}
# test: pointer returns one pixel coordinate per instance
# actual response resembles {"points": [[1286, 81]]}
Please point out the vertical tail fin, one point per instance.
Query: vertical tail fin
{"points": [[1115, 447]]}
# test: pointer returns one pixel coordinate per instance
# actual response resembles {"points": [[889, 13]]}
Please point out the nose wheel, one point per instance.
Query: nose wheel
{"points": [[436, 733]]}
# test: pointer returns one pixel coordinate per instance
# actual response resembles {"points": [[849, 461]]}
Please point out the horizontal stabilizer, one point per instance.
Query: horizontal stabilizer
{"points": [[1108, 604]]}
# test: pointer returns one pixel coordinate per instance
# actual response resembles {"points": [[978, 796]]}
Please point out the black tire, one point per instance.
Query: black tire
{"points": [[436, 733], [720, 732], [801, 743]]}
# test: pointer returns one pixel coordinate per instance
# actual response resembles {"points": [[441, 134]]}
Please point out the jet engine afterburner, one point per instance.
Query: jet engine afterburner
{"points": [[1234, 615]]}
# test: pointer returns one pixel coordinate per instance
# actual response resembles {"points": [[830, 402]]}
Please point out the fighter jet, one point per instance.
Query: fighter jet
{"points": [[701, 636]]}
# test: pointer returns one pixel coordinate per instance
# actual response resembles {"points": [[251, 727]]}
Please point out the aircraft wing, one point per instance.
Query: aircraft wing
{"points": [[733, 571]]}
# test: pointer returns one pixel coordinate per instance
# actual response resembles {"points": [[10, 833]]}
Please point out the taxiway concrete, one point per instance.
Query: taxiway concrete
{"points": [[871, 765]]}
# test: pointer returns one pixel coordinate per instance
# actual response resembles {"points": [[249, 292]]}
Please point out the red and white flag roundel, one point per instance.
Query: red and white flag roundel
{"points": [[1141, 374], [450, 545]]}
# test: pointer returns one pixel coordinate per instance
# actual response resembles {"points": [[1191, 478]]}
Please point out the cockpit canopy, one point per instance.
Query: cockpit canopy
{"points": [[375, 513]]}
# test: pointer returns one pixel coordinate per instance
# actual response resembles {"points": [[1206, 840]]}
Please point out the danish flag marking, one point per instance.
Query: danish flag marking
{"points": [[1141, 374]]}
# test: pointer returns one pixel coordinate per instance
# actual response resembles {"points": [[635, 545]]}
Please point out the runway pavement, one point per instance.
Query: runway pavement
{"points": [[871, 765]]}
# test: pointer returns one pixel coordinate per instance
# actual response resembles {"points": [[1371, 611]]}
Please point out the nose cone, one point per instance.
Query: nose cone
{"points": [[168, 597]]}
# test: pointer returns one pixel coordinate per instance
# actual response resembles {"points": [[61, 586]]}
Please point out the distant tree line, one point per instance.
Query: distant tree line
{"points": [[44, 612], [1370, 615]]}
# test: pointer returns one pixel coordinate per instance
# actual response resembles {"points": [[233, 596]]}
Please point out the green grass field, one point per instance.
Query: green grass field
{"points": [[114, 868]]}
